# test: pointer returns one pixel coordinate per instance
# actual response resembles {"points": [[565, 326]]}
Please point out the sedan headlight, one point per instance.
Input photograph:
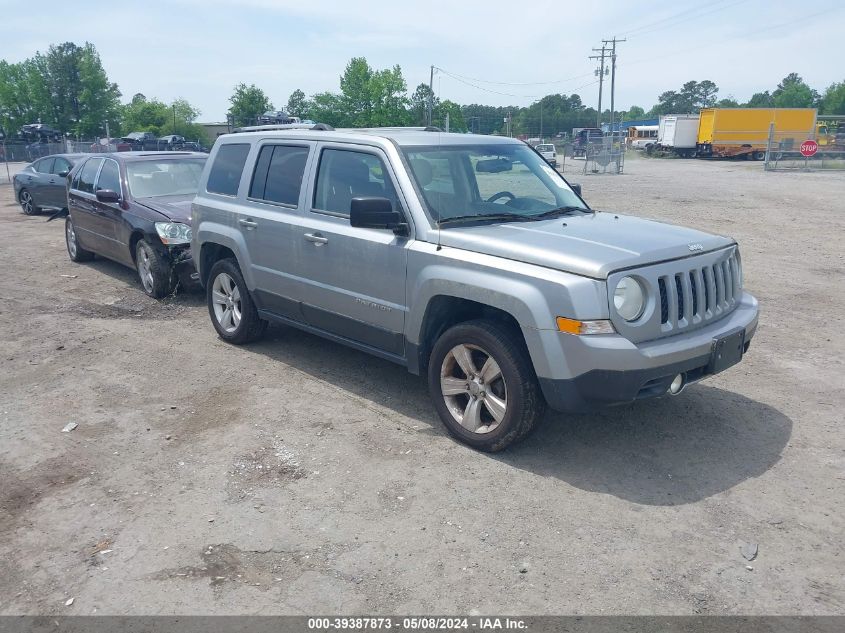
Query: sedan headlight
{"points": [[172, 233], [629, 298]]}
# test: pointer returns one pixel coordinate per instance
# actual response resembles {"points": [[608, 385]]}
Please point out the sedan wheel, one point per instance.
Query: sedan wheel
{"points": [[154, 271], [74, 250], [27, 203]]}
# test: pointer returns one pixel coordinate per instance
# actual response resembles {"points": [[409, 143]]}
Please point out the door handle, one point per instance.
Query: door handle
{"points": [[316, 238], [250, 224]]}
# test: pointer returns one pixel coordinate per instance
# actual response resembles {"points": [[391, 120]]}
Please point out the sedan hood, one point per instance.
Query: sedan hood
{"points": [[175, 208], [593, 245]]}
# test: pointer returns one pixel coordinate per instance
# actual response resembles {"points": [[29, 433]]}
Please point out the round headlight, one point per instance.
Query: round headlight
{"points": [[629, 298]]}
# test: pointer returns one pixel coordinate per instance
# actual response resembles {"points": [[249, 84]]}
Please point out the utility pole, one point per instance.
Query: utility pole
{"points": [[612, 77], [600, 72], [541, 120], [430, 94]]}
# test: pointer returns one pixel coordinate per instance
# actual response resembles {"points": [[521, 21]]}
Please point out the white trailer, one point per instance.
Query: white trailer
{"points": [[678, 133]]}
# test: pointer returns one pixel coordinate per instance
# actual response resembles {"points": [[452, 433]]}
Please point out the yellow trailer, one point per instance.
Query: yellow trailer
{"points": [[733, 132]]}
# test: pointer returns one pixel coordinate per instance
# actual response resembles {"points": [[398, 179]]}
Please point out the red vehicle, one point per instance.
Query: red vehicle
{"points": [[111, 145]]}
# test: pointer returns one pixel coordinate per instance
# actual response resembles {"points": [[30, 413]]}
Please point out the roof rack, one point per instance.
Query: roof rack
{"points": [[320, 127]]}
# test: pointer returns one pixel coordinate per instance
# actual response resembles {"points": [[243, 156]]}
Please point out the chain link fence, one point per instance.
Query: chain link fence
{"points": [[796, 150], [603, 156]]}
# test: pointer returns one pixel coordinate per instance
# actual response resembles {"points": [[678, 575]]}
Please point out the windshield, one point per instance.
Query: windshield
{"points": [[167, 177], [545, 148], [487, 180]]}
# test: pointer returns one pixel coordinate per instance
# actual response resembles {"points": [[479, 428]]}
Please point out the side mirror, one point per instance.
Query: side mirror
{"points": [[107, 195], [576, 187], [376, 213], [63, 173]]}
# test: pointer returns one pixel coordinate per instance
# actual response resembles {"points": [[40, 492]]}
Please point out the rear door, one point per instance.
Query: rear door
{"points": [[275, 203], [352, 279], [37, 181], [56, 187]]}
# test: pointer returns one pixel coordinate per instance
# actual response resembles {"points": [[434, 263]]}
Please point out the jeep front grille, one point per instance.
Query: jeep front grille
{"points": [[684, 294], [700, 295]]}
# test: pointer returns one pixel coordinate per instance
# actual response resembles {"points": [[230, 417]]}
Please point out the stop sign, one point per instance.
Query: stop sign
{"points": [[809, 147]]}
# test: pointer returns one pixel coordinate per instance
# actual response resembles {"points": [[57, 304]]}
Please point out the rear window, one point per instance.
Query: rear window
{"points": [[545, 148], [278, 174], [225, 174]]}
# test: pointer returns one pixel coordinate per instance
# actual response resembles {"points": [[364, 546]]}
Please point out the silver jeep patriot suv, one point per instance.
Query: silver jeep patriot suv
{"points": [[467, 259]]}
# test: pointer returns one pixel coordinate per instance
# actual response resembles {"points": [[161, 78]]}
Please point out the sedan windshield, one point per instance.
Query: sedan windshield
{"points": [[166, 177], [506, 182]]}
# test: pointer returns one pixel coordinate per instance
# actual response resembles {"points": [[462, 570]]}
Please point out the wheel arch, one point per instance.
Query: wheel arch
{"points": [[210, 253]]}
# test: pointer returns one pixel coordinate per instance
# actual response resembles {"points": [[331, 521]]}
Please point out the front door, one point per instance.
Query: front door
{"points": [[109, 215], [352, 279], [81, 206]]}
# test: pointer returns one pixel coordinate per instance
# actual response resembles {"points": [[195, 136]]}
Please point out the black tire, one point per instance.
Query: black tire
{"points": [[28, 205], [154, 272], [759, 155], [517, 388], [74, 250], [249, 326]]}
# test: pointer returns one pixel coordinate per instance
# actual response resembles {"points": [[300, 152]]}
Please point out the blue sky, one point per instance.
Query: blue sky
{"points": [[199, 49]]}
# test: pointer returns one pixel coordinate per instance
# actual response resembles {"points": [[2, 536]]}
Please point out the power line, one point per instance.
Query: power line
{"points": [[647, 27], [507, 83], [744, 35]]}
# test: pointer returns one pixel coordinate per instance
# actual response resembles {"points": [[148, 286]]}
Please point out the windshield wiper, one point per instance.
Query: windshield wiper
{"points": [[553, 213], [494, 217]]}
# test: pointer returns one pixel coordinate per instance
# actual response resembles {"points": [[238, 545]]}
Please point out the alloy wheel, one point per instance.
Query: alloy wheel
{"points": [[226, 299], [473, 388], [145, 270], [26, 203], [71, 238]]}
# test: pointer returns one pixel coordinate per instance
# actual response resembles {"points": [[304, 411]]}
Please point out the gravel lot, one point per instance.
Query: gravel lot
{"points": [[296, 476]]}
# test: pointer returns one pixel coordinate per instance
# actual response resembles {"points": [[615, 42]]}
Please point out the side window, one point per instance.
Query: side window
{"points": [[61, 165], [278, 174], [109, 177], [43, 166], [225, 174], [344, 175], [88, 174]]}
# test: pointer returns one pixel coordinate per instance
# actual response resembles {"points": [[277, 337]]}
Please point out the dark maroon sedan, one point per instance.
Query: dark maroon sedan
{"points": [[135, 208]]}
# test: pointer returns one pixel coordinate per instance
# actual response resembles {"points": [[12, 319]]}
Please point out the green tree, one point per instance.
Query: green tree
{"points": [[388, 95], [66, 88], [248, 103], [761, 100], [634, 112], [419, 101], [355, 95], [833, 101], [298, 104], [326, 107], [456, 117], [727, 102], [793, 92]]}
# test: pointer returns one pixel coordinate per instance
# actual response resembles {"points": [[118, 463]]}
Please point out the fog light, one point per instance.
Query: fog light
{"points": [[677, 385]]}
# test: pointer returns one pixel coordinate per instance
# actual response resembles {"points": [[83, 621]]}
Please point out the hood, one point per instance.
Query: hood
{"points": [[175, 208], [593, 245]]}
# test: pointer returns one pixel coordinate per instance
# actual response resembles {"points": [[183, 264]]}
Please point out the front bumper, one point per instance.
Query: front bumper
{"points": [[612, 370], [182, 264]]}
